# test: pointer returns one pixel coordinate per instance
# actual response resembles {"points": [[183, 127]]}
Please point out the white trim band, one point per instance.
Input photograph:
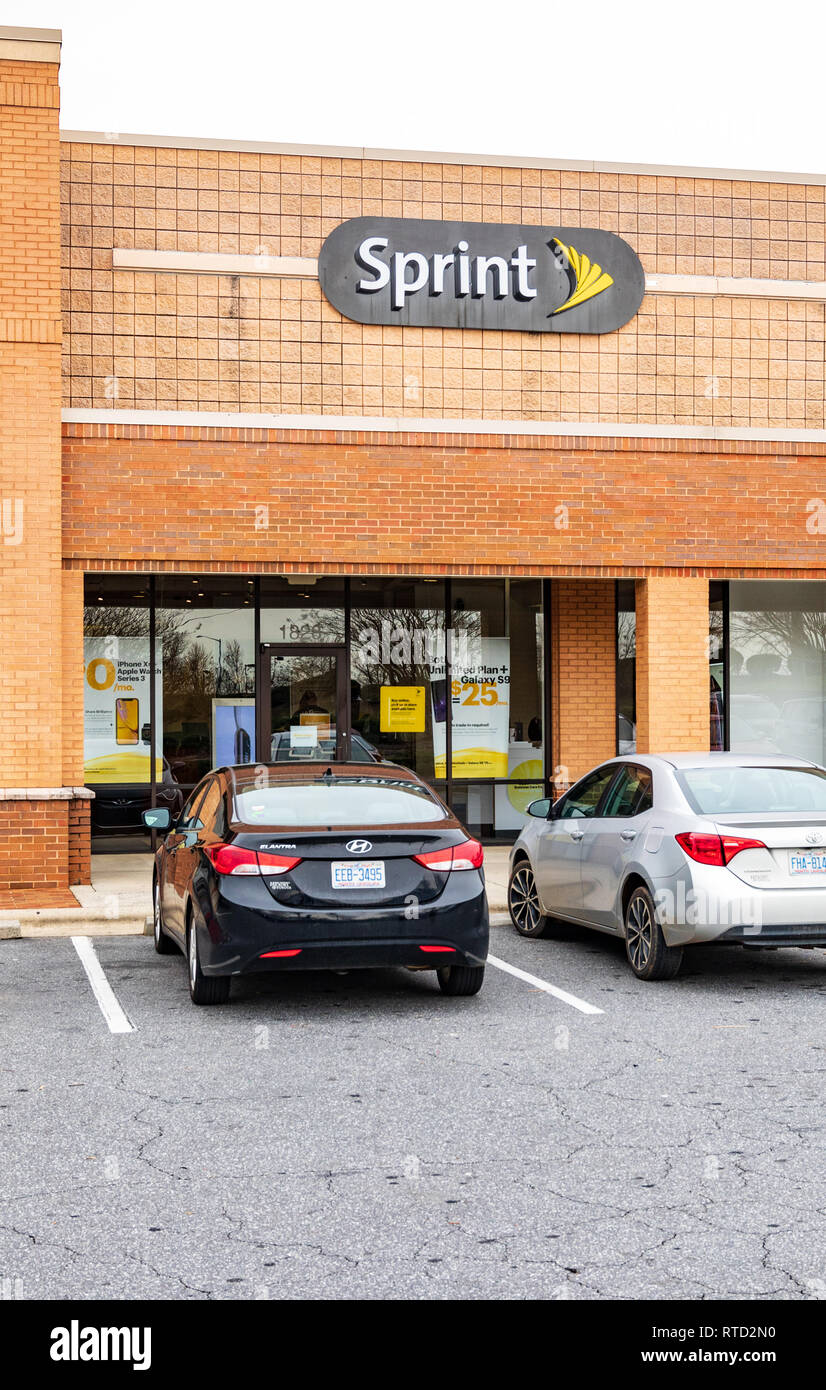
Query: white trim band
{"points": [[215, 263], [306, 268], [401, 424], [492, 161], [46, 794], [737, 286]]}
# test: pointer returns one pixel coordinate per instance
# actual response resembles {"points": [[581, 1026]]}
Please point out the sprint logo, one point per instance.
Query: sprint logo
{"points": [[481, 275], [587, 278]]}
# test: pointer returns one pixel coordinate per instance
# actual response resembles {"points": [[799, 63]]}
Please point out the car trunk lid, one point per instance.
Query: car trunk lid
{"points": [[794, 854], [310, 882]]}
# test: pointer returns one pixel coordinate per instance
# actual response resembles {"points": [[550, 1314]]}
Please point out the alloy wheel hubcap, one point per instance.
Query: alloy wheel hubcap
{"points": [[157, 911], [524, 903], [193, 955], [639, 933]]}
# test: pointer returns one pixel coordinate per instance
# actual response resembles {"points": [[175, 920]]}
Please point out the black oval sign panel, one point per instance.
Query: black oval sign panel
{"points": [[383, 270]]}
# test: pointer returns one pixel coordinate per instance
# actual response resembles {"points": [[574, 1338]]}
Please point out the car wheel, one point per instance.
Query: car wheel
{"points": [[523, 902], [461, 979], [648, 955], [203, 989], [163, 945]]}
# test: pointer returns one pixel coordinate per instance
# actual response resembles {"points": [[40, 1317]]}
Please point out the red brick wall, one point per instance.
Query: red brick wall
{"points": [[79, 847], [151, 496], [34, 843]]}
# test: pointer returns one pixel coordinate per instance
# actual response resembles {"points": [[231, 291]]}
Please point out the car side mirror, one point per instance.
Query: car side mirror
{"points": [[157, 818], [540, 809]]}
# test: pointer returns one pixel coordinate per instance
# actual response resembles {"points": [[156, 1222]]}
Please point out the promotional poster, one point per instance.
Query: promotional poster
{"points": [[116, 745]]}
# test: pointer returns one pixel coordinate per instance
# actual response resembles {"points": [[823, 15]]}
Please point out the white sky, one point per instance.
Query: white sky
{"points": [[725, 84]]}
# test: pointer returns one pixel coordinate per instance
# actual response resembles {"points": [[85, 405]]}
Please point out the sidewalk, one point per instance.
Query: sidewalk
{"points": [[119, 901]]}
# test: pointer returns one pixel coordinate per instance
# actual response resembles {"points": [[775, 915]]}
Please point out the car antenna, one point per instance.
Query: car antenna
{"points": [[328, 772]]}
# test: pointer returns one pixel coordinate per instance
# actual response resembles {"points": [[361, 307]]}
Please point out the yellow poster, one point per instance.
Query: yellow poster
{"points": [[401, 709]]}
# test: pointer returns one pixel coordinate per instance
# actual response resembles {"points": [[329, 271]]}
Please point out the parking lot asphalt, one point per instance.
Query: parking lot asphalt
{"points": [[362, 1136]]}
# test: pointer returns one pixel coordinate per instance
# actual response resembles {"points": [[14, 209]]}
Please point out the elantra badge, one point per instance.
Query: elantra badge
{"points": [[358, 846]]}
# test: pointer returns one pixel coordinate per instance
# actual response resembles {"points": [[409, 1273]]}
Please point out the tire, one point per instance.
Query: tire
{"points": [[203, 989], [648, 955], [458, 980], [163, 945], [523, 903]]}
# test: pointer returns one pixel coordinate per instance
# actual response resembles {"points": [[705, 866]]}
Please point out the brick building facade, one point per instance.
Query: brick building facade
{"points": [[182, 405]]}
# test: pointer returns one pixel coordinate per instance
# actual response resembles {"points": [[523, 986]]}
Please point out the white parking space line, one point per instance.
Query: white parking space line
{"points": [[566, 998], [101, 988]]}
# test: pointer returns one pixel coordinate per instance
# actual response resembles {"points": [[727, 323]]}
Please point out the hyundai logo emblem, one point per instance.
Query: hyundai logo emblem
{"points": [[814, 838], [358, 846]]}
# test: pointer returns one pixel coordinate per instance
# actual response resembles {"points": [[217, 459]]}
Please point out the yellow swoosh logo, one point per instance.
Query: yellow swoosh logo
{"points": [[590, 278]]}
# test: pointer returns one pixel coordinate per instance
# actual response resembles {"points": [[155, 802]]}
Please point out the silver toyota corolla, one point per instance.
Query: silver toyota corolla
{"points": [[679, 848]]}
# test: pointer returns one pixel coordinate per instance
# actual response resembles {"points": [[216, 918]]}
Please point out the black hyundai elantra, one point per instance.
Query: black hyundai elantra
{"points": [[307, 867]]}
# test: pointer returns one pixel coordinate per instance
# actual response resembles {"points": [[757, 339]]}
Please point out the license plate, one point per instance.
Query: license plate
{"points": [[367, 873], [807, 861]]}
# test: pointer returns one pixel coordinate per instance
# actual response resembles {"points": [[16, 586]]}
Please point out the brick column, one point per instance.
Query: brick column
{"points": [[35, 799], [672, 665], [583, 667]]}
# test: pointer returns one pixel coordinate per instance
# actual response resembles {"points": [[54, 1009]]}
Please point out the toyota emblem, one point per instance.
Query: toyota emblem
{"points": [[358, 846]]}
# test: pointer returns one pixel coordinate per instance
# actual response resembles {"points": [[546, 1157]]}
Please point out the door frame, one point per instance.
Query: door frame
{"points": [[263, 714]]}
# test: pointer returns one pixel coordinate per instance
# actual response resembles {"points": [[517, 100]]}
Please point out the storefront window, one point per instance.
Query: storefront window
{"points": [[626, 666], [716, 666], [469, 719], [397, 683], [116, 710], [777, 667], [205, 638], [302, 610], [497, 664]]}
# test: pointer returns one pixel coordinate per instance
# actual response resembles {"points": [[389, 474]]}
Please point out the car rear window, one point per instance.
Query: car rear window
{"points": [[320, 801], [724, 791]]}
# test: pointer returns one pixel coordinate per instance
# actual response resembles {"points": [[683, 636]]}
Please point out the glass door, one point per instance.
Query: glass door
{"points": [[303, 700]]}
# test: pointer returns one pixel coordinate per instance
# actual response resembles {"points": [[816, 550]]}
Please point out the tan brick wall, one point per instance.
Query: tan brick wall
{"points": [[672, 665], [583, 663], [186, 342], [34, 834], [31, 716]]}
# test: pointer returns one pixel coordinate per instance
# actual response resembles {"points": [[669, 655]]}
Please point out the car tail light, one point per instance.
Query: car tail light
{"points": [[268, 955], [468, 855], [277, 863], [235, 859], [714, 849], [437, 948], [733, 844]]}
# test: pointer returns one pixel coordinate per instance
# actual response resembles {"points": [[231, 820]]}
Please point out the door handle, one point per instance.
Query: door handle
{"points": [[628, 834], [576, 834]]}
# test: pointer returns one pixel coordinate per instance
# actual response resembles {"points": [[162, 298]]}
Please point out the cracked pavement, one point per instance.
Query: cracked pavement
{"points": [[361, 1136]]}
